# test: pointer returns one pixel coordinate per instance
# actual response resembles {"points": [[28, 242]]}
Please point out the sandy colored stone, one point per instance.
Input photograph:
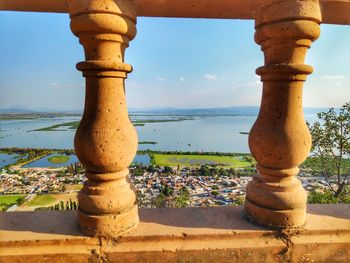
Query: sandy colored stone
{"points": [[280, 140], [333, 11], [105, 141], [216, 234]]}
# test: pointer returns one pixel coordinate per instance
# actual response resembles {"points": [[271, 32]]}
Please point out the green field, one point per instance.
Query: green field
{"points": [[187, 160], [41, 200], [58, 159], [7, 201], [71, 125]]}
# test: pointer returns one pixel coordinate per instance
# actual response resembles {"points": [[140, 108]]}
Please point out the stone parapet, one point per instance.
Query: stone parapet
{"points": [[333, 11], [217, 234]]}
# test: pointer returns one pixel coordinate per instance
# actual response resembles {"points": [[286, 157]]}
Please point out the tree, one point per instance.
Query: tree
{"points": [[215, 187], [204, 171], [167, 191], [181, 201], [183, 198], [168, 169], [215, 193], [331, 148], [250, 160], [159, 201], [184, 191]]}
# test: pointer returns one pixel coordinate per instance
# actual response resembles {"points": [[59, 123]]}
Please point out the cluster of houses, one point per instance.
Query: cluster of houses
{"points": [[35, 180], [203, 190]]}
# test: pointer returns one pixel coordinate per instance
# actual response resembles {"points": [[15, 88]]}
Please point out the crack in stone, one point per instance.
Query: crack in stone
{"points": [[286, 254]]}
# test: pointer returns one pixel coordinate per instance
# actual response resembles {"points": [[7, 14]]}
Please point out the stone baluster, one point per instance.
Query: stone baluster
{"points": [[106, 141], [280, 140]]}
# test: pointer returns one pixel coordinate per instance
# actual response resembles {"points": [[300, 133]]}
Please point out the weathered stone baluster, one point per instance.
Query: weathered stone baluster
{"points": [[280, 140], [106, 141]]}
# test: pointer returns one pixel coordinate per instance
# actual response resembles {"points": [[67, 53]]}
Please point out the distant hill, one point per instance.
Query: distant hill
{"points": [[244, 110], [198, 111], [16, 110], [23, 110]]}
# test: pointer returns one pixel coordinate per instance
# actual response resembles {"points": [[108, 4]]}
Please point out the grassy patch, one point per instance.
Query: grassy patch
{"points": [[71, 125], [41, 200], [7, 201], [187, 160], [34, 115], [58, 159]]}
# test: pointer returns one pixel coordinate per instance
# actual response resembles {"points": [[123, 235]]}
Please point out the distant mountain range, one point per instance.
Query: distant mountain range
{"points": [[242, 110], [248, 110], [15, 110], [25, 110]]}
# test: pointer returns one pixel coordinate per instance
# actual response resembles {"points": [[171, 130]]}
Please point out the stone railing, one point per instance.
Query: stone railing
{"points": [[106, 141]]}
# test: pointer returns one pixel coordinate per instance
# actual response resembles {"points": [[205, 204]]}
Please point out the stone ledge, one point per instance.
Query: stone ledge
{"points": [[217, 234], [333, 11]]}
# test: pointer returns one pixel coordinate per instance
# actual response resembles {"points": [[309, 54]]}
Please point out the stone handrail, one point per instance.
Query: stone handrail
{"points": [[213, 234], [106, 141], [333, 11]]}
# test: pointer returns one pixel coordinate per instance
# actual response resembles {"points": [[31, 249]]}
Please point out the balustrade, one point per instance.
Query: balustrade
{"points": [[106, 141]]}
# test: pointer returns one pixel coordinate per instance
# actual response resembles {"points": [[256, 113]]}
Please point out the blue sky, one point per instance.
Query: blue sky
{"points": [[177, 63]]}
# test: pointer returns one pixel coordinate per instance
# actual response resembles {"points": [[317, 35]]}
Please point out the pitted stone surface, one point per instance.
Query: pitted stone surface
{"points": [[105, 141], [217, 234], [280, 140]]}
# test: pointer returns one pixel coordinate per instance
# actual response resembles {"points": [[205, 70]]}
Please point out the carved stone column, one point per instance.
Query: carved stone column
{"points": [[106, 141], [280, 140]]}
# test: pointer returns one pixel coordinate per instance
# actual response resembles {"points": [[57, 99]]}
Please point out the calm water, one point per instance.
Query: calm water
{"points": [[6, 159], [142, 159], [220, 133], [44, 162], [17, 133]]}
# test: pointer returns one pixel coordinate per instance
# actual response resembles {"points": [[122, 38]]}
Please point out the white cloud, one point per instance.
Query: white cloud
{"points": [[73, 85], [66, 85], [54, 84], [210, 76], [182, 79], [255, 83], [333, 77], [133, 85], [159, 78]]}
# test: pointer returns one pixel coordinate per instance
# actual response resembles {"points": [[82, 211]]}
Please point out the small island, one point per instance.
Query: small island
{"points": [[57, 159], [147, 142]]}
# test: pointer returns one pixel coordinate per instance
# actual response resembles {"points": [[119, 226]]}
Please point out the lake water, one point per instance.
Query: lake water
{"points": [[44, 162], [17, 133], [203, 133], [6, 159]]}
